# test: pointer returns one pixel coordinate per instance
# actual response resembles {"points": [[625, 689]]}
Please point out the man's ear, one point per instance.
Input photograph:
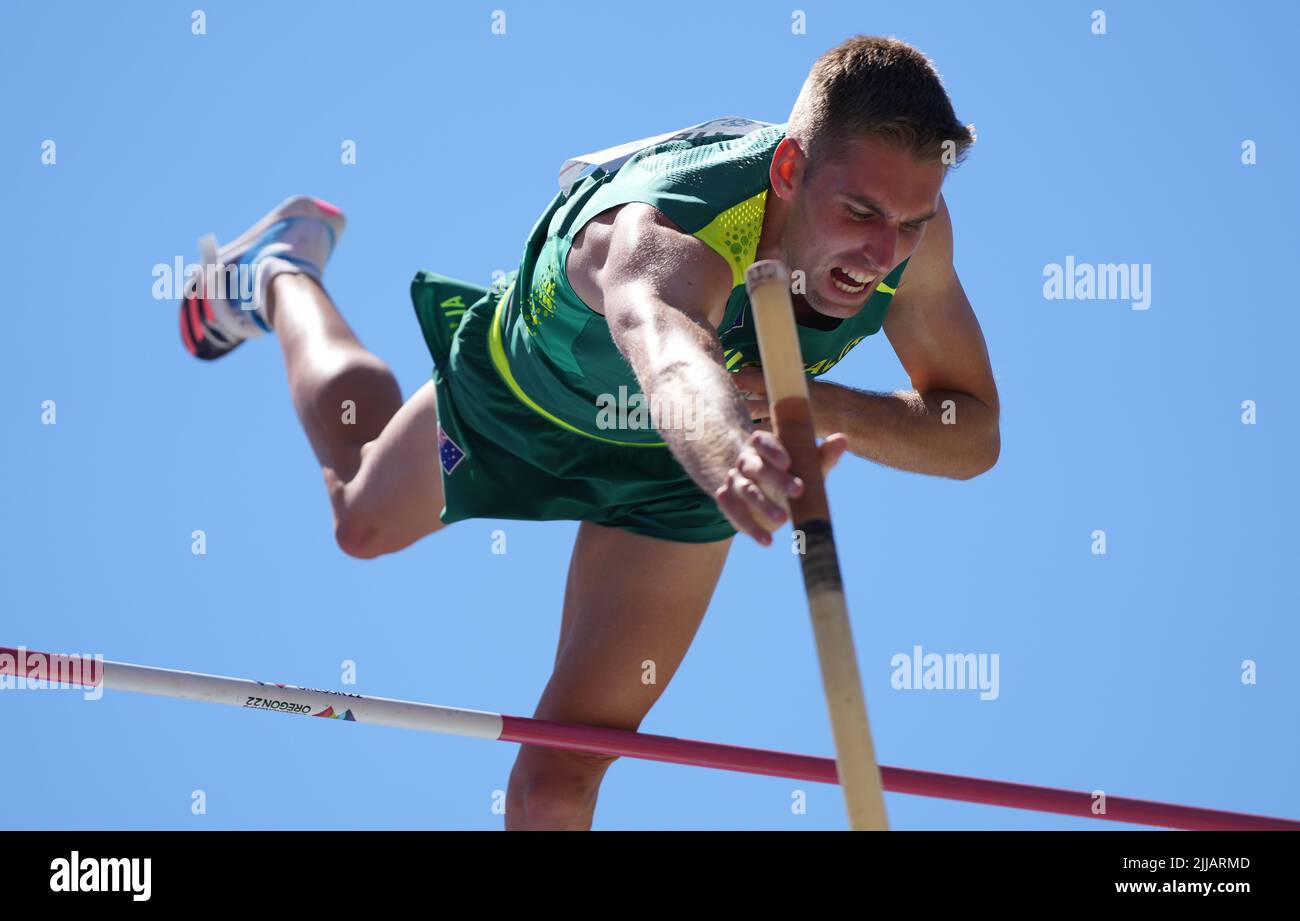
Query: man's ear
{"points": [[787, 160]]}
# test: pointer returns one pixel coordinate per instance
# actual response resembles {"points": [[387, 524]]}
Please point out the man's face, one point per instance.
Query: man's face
{"points": [[855, 219]]}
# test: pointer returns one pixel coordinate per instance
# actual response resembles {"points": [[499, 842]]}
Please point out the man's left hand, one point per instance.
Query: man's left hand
{"points": [[749, 381]]}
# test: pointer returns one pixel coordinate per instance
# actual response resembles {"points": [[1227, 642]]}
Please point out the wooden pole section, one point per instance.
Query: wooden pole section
{"points": [[768, 283]]}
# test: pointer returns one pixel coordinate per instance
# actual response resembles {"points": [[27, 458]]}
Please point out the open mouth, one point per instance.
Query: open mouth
{"points": [[850, 282]]}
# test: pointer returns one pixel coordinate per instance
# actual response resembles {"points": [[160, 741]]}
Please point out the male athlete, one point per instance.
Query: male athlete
{"points": [[634, 279]]}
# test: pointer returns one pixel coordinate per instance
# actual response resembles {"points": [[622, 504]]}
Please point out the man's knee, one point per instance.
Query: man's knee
{"points": [[358, 537], [388, 504], [356, 390], [358, 530], [554, 790]]}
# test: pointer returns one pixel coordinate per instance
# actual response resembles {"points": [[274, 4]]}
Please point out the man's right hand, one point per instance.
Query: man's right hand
{"points": [[752, 495]]}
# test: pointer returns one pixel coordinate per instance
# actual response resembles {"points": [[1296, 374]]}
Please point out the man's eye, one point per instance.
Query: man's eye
{"points": [[912, 228], [860, 215]]}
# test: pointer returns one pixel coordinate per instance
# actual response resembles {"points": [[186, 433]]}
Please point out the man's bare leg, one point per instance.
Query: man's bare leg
{"points": [[378, 455], [629, 599]]}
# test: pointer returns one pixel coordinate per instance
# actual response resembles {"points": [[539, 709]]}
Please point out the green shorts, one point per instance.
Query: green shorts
{"points": [[501, 459]]}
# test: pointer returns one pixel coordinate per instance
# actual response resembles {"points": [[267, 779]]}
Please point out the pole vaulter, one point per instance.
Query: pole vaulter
{"points": [[661, 270]]}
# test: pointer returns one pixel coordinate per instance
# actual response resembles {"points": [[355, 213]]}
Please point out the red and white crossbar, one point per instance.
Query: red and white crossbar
{"points": [[26, 666]]}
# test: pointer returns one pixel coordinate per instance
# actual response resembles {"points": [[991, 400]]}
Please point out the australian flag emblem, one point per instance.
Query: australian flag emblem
{"points": [[449, 453]]}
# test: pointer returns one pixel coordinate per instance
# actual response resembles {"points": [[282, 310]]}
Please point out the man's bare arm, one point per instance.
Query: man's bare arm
{"points": [[660, 289]]}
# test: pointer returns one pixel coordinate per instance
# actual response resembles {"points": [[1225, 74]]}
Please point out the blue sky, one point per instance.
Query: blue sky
{"points": [[1119, 672]]}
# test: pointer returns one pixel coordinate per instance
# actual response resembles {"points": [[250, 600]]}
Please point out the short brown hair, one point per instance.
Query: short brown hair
{"points": [[870, 86]]}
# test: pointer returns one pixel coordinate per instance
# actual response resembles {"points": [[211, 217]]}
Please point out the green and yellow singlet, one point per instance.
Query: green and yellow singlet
{"points": [[557, 355]]}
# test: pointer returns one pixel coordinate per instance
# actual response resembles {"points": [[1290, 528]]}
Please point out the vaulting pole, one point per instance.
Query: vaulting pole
{"points": [[23, 665], [768, 283]]}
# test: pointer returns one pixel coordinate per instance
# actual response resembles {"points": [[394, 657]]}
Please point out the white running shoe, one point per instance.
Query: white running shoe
{"points": [[225, 300]]}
